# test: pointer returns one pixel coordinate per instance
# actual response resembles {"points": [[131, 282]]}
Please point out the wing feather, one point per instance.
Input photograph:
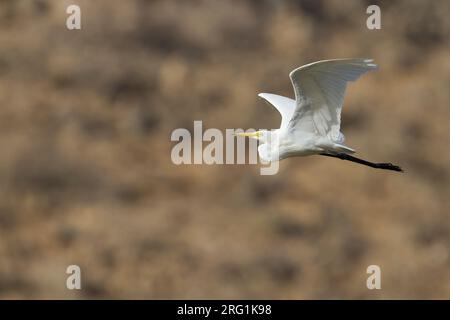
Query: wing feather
{"points": [[319, 94], [284, 105]]}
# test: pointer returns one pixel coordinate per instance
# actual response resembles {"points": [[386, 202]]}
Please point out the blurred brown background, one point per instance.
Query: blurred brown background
{"points": [[86, 175]]}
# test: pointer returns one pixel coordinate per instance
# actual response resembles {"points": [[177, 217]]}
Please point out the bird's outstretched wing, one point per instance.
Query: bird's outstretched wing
{"points": [[284, 105], [319, 93]]}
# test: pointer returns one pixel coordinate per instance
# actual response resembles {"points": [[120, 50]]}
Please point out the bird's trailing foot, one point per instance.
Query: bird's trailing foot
{"points": [[344, 156]]}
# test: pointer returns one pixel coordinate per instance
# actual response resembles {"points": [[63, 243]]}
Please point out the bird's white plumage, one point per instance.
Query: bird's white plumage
{"points": [[310, 124], [319, 93], [284, 105]]}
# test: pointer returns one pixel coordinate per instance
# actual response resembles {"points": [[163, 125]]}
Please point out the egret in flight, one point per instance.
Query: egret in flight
{"points": [[310, 124]]}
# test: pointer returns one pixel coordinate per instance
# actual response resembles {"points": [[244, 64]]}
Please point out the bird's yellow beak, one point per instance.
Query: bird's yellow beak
{"points": [[255, 135]]}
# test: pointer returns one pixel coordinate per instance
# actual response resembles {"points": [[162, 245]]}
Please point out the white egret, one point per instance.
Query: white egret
{"points": [[310, 124]]}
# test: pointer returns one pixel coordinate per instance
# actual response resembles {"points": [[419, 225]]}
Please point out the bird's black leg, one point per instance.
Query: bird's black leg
{"points": [[344, 156]]}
